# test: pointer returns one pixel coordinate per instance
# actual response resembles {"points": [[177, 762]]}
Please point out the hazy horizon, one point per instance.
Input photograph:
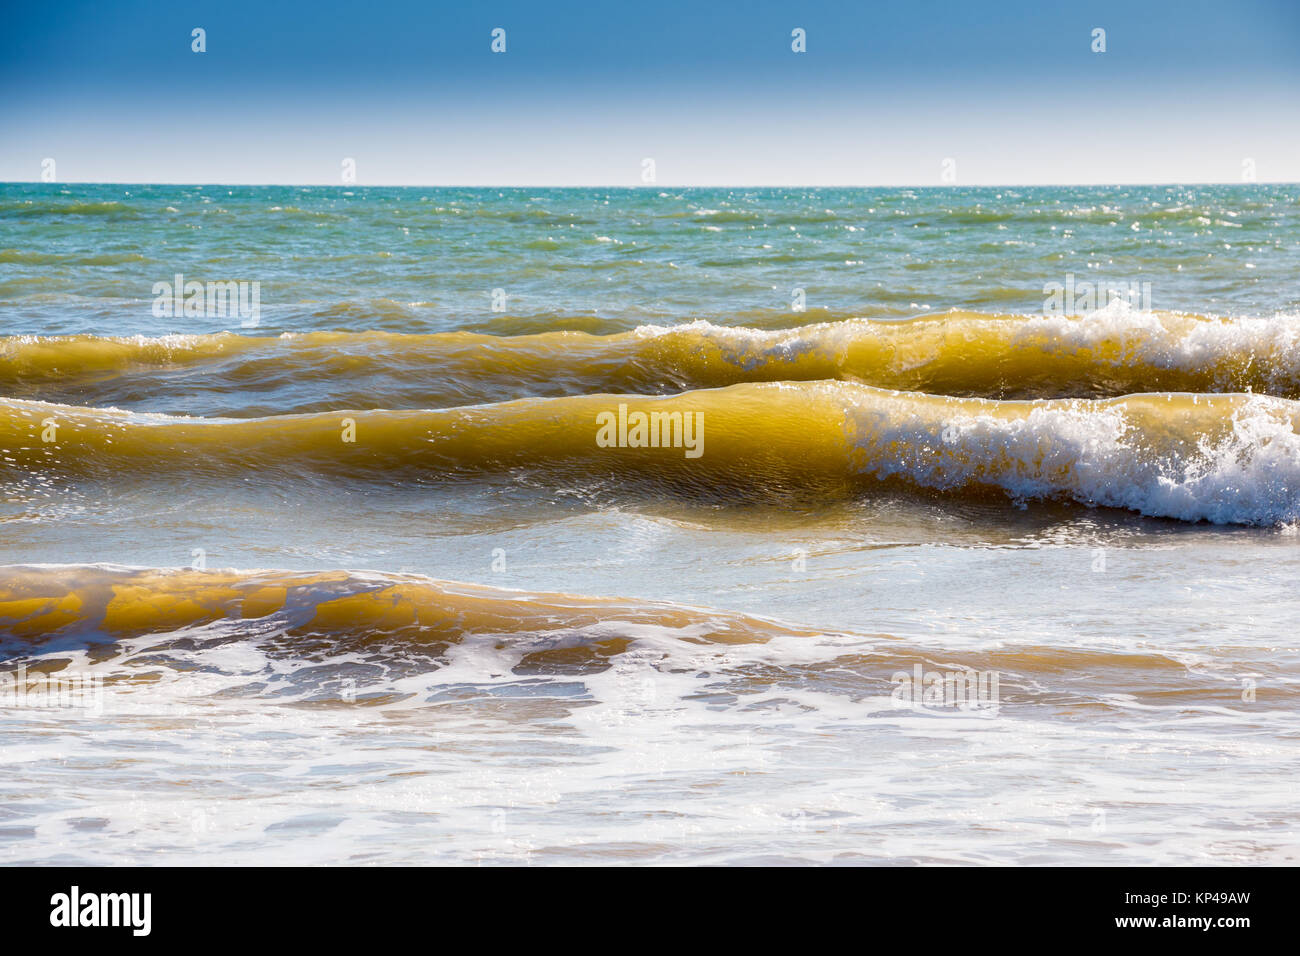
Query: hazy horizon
{"points": [[652, 186]]}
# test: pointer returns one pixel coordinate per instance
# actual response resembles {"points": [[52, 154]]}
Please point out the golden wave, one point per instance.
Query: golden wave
{"points": [[40, 601], [1225, 458], [1109, 353]]}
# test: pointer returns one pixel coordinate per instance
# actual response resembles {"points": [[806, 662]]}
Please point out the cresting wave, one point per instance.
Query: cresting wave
{"points": [[1113, 352], [1227, 459]]}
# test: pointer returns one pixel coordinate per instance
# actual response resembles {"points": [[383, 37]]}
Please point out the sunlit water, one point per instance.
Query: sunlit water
{"points": [[1147, 666]]}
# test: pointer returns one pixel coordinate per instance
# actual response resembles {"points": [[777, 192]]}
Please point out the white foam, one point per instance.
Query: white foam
{"points": [[1119, 335], [1175, 342], [1091, 452]]}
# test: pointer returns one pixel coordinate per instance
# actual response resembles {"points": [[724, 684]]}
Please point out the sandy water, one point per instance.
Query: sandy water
{"points": [[1146, 664]]}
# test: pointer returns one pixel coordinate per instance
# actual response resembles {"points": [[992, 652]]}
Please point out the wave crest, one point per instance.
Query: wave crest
{"points": [[1114, 352]]}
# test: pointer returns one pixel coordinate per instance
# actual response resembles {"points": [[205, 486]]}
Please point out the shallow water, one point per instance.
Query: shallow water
{"points": [[488, 639]]}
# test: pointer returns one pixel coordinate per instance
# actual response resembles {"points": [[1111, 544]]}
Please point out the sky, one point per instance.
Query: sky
{"points": [[922, 92]]}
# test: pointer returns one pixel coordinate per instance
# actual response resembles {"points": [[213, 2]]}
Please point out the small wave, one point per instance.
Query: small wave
{"points": [[18, 257], [1113, 352], [297, 212], [303, 636], [110, 209], [112, 602]]}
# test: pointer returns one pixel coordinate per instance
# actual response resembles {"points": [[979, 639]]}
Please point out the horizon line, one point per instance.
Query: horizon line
{"points": [[649, 186]]}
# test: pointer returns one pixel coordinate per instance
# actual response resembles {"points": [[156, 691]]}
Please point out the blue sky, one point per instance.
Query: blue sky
{"points": [[712, 92]]}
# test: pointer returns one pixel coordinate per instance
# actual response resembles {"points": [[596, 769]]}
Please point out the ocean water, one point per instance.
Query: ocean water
{"points": [[649, 526]]}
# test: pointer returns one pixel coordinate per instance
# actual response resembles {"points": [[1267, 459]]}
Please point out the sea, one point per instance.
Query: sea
{"points": [[528, 526]]}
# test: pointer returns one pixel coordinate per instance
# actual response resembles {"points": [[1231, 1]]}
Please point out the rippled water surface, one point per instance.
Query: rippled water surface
{"points": [[471, 633]]}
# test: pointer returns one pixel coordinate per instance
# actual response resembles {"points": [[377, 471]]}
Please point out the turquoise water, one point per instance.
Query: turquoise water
{"points": [[84, 258], [1129, 579]]}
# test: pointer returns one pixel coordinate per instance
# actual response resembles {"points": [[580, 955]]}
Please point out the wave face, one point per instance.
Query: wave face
{"points": [[1227, 459], [117, 609], [112, 603], [1113, 352]]}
